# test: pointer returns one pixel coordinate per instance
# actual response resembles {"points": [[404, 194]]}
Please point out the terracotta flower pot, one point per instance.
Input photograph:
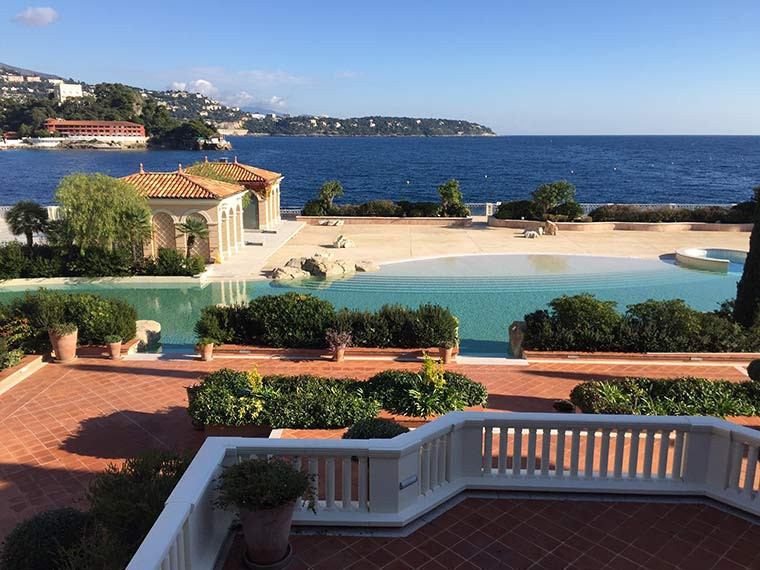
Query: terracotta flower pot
{"points": [[64, 346], [114, 350], [267, 533], [446, 354], [339, 354], [206, 351]]}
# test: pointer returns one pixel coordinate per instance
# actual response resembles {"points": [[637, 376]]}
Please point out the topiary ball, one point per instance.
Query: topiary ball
{"points": [[374, 428], [36, 543], [754, 370]]}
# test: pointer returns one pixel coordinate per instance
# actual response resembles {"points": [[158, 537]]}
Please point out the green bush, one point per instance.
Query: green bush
{"points": [[98, 549], [94, 316], [127, 500], [381, 208], [420, 209], [315, 207], [13, 260], [36, 543], [229, 397], [680, 397], [263, 484], [96, 262], [296, 320], [170, 262], [425, 393], [571, 210], [515, 210], [375, 428], [739, 214], [753, 370], [584, 323]]}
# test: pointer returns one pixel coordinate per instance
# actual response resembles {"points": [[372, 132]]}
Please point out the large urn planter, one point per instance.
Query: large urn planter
{"points": [[339, 355], [63, 339], [265, 493], [446, 354], [114, 347], [338, 342], [206, 350]]}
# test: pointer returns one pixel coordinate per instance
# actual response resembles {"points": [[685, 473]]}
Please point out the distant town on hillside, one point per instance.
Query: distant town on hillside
{"points": [[22, 90]]}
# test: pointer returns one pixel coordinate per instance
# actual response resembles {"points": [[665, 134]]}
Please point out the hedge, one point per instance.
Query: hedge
{"points": [[585, 323], [41, 261], [662, 397], [740, 214], [375, 428], [295, 320], [230, 397], [96, 317]]}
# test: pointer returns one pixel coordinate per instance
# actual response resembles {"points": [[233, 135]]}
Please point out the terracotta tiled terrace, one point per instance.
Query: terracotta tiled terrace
{"points": [[66, 422]]}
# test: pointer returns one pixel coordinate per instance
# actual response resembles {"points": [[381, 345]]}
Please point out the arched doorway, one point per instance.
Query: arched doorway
{"points": [[200, 247], [163, 232], [251, 213]]}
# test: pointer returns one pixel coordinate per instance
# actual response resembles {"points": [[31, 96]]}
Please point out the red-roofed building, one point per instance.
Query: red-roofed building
{"points": [[174, 197], [95, 129]]}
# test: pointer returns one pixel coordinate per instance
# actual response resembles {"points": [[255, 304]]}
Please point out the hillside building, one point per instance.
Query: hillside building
{"points": [[98, 130], [65, 91]]}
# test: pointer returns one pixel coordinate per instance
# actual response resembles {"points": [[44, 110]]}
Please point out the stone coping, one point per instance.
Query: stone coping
{"points": [[15, 374], [729, 357], [411, 221], [357, 353], [629, 226], [136, 281]]}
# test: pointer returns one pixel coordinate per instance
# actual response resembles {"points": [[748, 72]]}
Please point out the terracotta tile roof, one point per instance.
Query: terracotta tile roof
{"points": [[243, 173], [180, 185]]}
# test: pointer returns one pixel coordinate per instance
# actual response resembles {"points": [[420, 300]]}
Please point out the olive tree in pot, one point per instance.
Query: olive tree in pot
{"points": [[114, 346], [338, 341], [205, 348], [63, 339], [265, 493]]}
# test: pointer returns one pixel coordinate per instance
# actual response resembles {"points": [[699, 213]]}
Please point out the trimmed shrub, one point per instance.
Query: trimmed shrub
{"points": [[739, 214], [563, 406], [127, 500], [662, 397], [96, 262], [170, 262], [421, 209], [295, 320], [382, 208], [753, 370], [375, 428], [13, 260], [36, 543], [570, 211], [515, 210], [230, 397], [263, 484]]}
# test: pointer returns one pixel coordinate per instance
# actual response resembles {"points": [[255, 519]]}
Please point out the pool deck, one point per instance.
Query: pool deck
{"points": [[385, 243]]}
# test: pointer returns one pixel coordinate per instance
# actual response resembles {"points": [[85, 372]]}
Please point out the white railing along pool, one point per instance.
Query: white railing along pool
{"points": [[389, 483]]}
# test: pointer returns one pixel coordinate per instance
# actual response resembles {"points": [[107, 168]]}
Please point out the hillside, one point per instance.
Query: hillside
{"points": [[20, 86]]}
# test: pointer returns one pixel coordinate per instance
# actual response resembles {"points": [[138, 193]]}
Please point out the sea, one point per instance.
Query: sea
{"points": [[624, 169]]}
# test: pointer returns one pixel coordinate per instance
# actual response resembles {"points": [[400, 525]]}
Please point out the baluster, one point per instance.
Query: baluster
{"points": [[181, 552], [449, 455], [165, 565], [442, 459], [662, 463], [297, 463], [330, 483], [531, 465], [173, 557], [735, 459], [749, 477], [588, 466], [677, 472], [363, 483], [648, 453], [433, 464], [619, 447], [517, 452], [487, 451], [633, 456], [575, 451], [503, 433], [559, 466], [546, 442], [346, 490], [604, 453], [425, 483], [314, 476]]}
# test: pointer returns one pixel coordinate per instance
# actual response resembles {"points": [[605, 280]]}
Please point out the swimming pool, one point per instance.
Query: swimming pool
{"points": [[486, 292]]}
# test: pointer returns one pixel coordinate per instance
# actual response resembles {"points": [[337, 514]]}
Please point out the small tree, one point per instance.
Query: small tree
{"points": [[747, 306], [330, 190], [548, 196], [194, 229], [136, 229], [94, 206], [451, 199], [27, 217]]}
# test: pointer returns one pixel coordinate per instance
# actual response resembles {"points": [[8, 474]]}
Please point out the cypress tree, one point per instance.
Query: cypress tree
{"points": [[747, 307]]}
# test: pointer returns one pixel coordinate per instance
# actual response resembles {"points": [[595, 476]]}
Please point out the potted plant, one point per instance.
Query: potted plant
{"points": [[114, 346], [205, 348], [63, 339], [265, 492], [338, 341], [446, 350]]}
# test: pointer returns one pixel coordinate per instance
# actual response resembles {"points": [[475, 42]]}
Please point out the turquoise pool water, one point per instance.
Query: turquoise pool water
{"points": [[486, 292]]}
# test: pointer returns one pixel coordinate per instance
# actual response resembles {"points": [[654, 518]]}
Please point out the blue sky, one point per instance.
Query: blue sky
{"points": [[521, 67]]}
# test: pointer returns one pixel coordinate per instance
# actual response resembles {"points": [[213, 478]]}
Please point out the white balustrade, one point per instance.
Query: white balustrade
{"points": [[392, 482]]}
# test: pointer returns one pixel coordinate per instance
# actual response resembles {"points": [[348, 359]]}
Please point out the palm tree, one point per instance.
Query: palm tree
{"points": [[136, 229], [27, 217], [193, 228]]}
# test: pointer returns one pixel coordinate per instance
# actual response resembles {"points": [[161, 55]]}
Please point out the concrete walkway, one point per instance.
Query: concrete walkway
{"points": [[249, 262]]}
